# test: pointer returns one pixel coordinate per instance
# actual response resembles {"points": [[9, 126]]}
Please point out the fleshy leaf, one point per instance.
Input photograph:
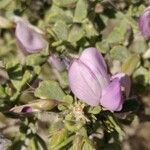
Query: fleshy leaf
{"points": [[119, 53], [80, 11], [61, 30], [130, 64], [49, 90], [35, 60], [58, 137], [75, 34], [65, 3]]}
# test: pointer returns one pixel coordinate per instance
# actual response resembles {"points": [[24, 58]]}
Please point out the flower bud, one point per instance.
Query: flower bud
{"points": [[35, 106], [29, 37]]}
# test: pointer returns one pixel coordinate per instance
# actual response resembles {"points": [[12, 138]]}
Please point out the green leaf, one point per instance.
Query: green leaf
{"points": [[49, 90], [82, 143], [80, 11], [90, 29], [2, 92], [61, 30], [139, 46], [65, 3], [103, 46], [4, 3], [88, 145], [118, 35], [35, 60], [76, 33], [14, 69], [56, 126], [77, 142], [18, 84], [68, 99], [72, 126], [131, 64], [58, 137], [57, 13], [119, 53], [94, 110]]}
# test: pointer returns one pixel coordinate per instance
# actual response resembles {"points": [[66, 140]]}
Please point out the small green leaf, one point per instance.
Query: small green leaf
{"points": [[68, 99], [94, 110], [58, 137], [55, 127], [88, 145], [139, 46], [118, 35], [2, 92], [56, 13], [35, 60], [49, 90], [61, 30], [76, 33], [130, 64], [119, 53], [82, 143], [103, 46], [77, 142], [14, 69], [90, 29], [18, 84], [72, 126], [80, 11], [65, 3]]}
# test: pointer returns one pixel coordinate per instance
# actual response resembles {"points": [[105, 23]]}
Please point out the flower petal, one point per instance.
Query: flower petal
{"points": [[26, 109], [112, 97], [28, 38], [144, 23], [95, 61], [83, 83], [125, 82]]}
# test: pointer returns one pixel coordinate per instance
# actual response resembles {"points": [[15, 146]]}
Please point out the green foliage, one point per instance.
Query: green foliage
{"points": [[80, 11], [69, 26], [49, 90]]}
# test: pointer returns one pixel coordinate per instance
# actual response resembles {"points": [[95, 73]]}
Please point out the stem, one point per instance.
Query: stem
{"points": [[64, 143]]}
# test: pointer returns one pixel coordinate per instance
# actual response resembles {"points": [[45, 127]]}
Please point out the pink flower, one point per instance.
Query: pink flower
{"points": [[90, 82]]}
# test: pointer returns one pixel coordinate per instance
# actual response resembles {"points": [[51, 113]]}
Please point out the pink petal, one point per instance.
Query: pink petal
{"points": [[83, 83], [125, 81], [144, 23], [28, 38], [95, 61], [112, 97]]}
